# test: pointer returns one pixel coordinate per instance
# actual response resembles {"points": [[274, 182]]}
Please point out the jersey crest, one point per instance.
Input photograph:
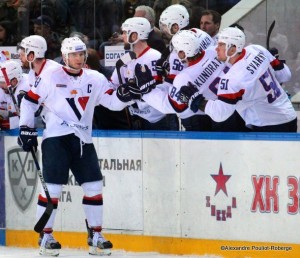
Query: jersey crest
{"points": [[78, 105]]}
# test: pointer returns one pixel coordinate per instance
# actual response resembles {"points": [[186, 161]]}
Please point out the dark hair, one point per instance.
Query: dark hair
{"points": [[93, 60], [216, 16], [236, 25]]}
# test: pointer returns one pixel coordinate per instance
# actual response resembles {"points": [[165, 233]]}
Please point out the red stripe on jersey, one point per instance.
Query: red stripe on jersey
{"points": [[109, 92], [96, 197], [241, 56], [176, 106], [232, 98], [44, 199], [197, 59], [157, 78], [144, 51], [171, 76], [277, 64], [42, 66], [33, 96]]}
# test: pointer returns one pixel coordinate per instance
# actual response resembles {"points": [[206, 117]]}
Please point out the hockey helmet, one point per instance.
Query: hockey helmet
{"points": [[36, 44], [186, 41], [175, 13], [232, 37], [13, 70], [204, 38], [139, 25]]}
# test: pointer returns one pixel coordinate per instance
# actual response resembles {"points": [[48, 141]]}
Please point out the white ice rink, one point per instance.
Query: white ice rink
{"points": [[12, 252]]}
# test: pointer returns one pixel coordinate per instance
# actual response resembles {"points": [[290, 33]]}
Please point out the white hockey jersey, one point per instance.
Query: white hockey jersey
{"points": [[6, 101], [176, 66], [142, 109], [251, 87], [203, 73], [69, 102]]}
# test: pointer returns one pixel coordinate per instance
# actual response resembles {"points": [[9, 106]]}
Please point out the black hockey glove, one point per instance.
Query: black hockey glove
{"points": [[162, 67], [144, 79], [190, 95], [20, 96], [28, 138], [128, 92]]}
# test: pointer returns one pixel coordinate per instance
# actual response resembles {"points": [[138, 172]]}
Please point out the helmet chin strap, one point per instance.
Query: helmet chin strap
{"points": [[226, 51]]}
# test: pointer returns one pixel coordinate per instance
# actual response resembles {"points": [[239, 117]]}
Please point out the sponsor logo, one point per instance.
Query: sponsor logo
{"points": [[22, 176], [221, 209]]}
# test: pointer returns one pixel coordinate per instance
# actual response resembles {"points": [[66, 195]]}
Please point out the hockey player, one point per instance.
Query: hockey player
{"points": [[251, 86], [32, 50], [203, 68], [10, 97], [145, 117], [69, 95], [173, 19]]}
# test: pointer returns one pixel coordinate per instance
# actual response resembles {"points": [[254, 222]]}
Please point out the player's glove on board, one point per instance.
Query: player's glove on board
{"points": [[128, 92], [144, 79], [190, 95], [28, 138], [162, 67]]}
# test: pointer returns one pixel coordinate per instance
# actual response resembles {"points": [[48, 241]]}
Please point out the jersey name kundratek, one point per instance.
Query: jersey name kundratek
{"points": [[207, 72]]}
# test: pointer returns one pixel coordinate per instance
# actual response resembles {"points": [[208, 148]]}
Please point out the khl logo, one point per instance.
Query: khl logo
{"points": [[22, 176]]}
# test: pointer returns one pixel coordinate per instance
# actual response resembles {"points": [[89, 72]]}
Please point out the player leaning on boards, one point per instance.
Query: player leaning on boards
{"points": [[200, 62], [135, 33], [69, 95], [251, 86], [11, 95]]}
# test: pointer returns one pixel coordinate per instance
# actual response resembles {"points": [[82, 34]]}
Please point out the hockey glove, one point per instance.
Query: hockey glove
{"points": [[190, 95], [162, 67], [128, 92], [144, 79], [28, 138], [20, 96]]}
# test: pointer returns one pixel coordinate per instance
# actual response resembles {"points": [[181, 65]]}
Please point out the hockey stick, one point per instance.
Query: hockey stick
{"points": [[39, 226], [125, 59], [269, 34], [49, 208]]}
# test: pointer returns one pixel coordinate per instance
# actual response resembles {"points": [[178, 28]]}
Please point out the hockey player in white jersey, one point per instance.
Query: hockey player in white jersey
{"points": [[10, 98], [32, 50], [203, 68], [69, 95], [251, 86], [173, 19], [145, 117]]}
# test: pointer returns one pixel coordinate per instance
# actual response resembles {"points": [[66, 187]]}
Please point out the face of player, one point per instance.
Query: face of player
{"points": [[132, 37], [23, 59], [77, 60], [181, 56], [207, 25], [13, 83], [221, 49], [223, 53]]}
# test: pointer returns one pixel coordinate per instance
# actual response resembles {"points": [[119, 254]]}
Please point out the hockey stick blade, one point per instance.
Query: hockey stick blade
{"points": [[269, 34], [39, 226]]}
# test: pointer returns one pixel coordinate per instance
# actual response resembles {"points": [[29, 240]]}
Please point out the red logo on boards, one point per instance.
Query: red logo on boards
{"points": [[221, 211]]}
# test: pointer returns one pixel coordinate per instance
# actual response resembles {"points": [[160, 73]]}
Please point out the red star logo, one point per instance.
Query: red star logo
{"points": [[221, 180]]}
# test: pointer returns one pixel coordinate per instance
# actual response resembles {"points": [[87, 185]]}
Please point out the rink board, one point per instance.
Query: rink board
{"points": [[175, 192]]}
